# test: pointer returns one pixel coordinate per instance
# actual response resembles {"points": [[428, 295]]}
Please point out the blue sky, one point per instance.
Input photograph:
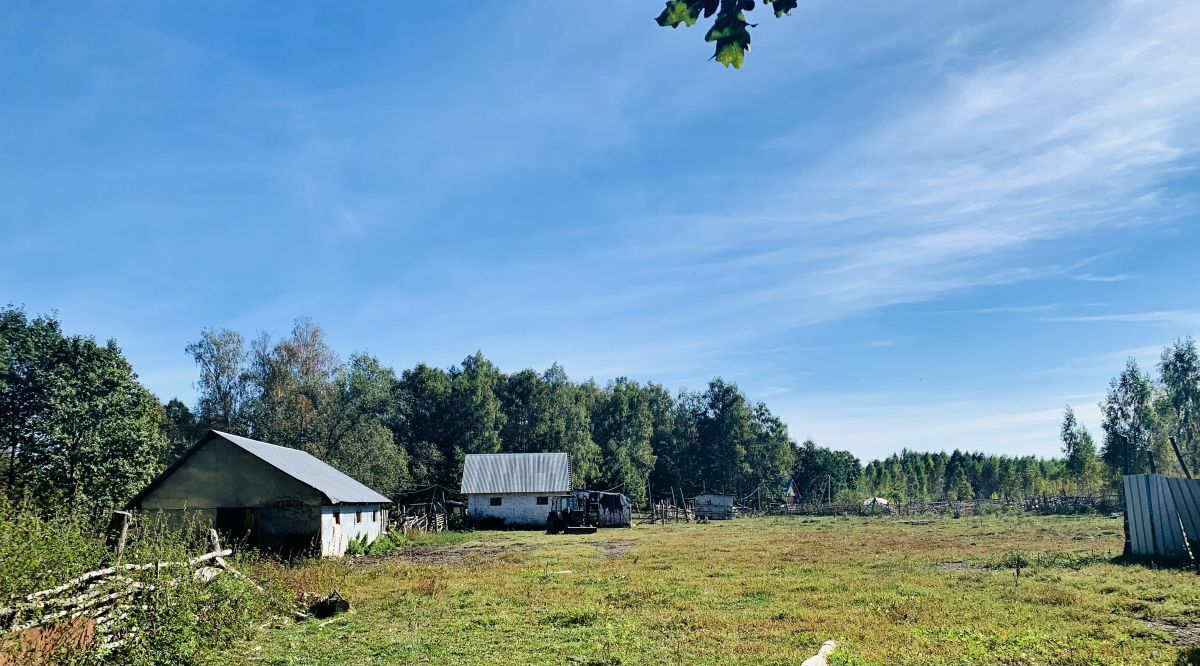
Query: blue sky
{"points": [[901, 224]]}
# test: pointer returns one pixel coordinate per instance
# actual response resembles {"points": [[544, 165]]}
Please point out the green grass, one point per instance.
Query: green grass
{"points": [[750, 591]]}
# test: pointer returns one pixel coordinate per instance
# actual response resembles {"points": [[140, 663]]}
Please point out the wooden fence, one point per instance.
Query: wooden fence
{"points": [[426, 517], [1046, 505]]}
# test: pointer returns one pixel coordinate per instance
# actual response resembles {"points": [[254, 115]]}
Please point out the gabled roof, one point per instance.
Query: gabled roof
{"points": [[336, 486], [516, 473]]}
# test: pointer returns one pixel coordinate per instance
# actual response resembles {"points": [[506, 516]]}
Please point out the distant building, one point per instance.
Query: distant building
{"points": [[714, 507], [272, 497], [789, 492], [514, 489]]}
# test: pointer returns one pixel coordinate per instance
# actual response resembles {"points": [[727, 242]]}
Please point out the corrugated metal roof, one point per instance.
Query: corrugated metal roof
{"points": [[338, 487], [516, 473]]}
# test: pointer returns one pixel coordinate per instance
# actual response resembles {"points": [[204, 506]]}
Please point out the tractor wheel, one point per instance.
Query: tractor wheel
{"points": [[552, 526]]}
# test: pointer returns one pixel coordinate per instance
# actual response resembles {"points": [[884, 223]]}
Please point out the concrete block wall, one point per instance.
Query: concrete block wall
{"points": [[516, 509]]}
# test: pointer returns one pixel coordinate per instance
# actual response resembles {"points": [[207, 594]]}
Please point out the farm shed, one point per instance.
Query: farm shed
{"points": [[714, 507], [614, 509], [514, 489], [276, 498]]}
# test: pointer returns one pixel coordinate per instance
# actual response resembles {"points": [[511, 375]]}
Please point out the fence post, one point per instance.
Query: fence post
{"points": [[119, 531]]}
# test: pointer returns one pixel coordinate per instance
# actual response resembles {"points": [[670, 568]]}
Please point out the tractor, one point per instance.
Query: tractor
{"points": [[571, 515]]}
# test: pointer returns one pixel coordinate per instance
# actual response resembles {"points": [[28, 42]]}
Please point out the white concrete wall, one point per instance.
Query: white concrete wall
{"points": [[335, 537], [516, 509]]}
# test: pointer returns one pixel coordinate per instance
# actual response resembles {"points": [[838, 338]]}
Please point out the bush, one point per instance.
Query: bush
{"points": [[382, 546], [38, 553], [357, 546]]}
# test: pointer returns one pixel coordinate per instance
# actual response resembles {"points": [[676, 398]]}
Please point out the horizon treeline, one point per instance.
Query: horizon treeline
{"points": [[79, 431]]}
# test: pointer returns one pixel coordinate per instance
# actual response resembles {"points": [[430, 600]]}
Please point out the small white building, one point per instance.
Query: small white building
{"points": [[273, 497], [714, 507], [514, 489]]}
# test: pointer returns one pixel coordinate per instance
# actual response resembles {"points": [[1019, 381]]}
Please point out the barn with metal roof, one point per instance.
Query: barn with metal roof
{"points": [[514, 489], [274, 497]]}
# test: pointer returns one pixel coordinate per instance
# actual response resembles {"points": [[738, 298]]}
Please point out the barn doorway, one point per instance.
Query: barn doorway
{"points": [[237, 524]]}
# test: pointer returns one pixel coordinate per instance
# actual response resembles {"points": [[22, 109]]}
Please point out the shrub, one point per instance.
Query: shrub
{"points": [[357, 546], [382, 546]]}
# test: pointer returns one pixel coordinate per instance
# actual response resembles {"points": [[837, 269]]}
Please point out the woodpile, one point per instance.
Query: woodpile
{"points": [[81, 613]]}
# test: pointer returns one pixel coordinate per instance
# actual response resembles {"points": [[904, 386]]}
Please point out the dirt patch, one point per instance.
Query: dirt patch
{"points": [[613, 549], [458, 555], [1182, 634]]}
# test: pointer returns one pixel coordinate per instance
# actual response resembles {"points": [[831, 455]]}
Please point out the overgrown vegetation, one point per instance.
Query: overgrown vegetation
{"points": [[169, 621]]}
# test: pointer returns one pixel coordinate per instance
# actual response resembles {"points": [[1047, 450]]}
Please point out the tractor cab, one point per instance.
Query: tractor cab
{"points": [[569, 515]]}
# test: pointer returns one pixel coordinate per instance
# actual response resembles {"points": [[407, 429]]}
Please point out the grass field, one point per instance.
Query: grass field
{"points": [[751, 591]]}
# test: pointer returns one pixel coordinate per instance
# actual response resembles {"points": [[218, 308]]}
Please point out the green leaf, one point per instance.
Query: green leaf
{"points": [[783, 7], [730, 32], [730, 53], [679, 11]]}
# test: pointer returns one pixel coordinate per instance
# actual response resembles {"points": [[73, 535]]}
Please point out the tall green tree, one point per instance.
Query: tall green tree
{"points": [[1128, 421], [89, 436], [1180, 369], [220, 354], [475, 409], [26, 349], [180, 428], [820, 473], [1079, 451], [726, 432], [289, 388], [623, 425], [566, 426], [423, 424], [525, 405]]}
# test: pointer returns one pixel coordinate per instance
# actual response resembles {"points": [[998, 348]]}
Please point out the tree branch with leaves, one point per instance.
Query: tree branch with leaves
{"points": [[730, 30]]}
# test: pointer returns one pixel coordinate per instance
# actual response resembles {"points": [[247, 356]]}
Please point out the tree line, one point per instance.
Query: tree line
{"points": [[80, 432], [413, 429]]}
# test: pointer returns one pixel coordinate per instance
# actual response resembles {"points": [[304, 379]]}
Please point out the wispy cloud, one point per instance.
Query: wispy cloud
{"points": [[974, 186], [1004, 309], [1173, 317], [1119, 277]]}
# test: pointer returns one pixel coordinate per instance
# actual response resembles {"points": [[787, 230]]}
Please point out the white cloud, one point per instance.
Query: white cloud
{"points": [[1005, 309], [1119, 277], [1173, 317]]}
